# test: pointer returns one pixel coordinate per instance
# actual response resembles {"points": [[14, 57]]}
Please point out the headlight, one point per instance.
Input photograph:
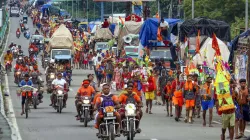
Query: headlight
{"points": [[18, 72], [60, 92], [45, 60], [111, 114], [86, 101], [130, 112], [52, 76]]}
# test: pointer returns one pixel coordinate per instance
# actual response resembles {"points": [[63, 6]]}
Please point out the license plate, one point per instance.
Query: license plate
{"points": [[109, 118]]}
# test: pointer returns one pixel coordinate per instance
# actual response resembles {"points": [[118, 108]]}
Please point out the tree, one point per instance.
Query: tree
{"points": [[225, 10]]}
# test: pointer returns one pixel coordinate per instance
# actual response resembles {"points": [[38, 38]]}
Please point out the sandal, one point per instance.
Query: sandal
{"points": [[238, 137]]}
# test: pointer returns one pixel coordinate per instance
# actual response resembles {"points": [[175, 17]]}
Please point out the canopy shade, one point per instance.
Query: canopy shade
{"points": [[207, 53], [120, 0], [207, 27]]}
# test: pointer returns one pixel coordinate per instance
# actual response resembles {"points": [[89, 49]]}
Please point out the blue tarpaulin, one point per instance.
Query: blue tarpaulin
{"points": [[112, 28], [91, 26], [149, 29]]}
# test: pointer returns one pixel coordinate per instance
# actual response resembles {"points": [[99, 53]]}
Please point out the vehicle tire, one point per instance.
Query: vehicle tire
{"points": [[131, 130], [86, 117], [26, 108], [60, 105], [111, 132], [35, 102]]}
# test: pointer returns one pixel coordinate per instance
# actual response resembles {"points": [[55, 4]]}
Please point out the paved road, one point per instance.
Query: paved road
{"points": [[45, 123]]}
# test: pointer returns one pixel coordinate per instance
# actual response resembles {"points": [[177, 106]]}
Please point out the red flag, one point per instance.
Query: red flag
{"points": [[198, 42], [215, 45]]}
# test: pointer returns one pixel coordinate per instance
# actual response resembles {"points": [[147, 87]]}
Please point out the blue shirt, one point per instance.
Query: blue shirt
{"points": [[23, 83]]}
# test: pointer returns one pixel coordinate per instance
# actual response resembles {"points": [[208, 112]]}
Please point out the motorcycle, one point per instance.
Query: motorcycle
{"points": [[8, 67], [58, 100], [28, 91], [18, 77], [49, 79], [128, 124], [18, 34], [37, 95], [68, 78], [85, 111], [27, 35], [31, 51], [45, 63], [15, 53], [108, 127]]}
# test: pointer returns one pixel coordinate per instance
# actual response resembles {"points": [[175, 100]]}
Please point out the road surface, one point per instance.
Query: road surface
{"points": [[45, 123]]}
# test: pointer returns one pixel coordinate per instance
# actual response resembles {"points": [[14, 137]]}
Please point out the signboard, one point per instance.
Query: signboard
{"points": [[241, 67], [133, 17]]}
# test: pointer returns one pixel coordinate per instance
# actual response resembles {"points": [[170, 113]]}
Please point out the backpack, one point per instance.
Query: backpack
{"points": [[107, 101], [130, 99]]}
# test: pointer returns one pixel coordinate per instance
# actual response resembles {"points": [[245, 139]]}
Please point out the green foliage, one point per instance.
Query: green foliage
{"points": [[225, 10], [238, 26]]}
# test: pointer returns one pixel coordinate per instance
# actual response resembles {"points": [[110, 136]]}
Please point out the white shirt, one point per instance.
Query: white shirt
{"points": [[164, 24], [58, 82]]}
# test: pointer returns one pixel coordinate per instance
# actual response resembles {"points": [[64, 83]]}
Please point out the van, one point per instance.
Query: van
{"points": [[14, 11]]}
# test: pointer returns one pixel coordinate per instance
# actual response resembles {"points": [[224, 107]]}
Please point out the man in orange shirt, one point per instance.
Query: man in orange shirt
{"points": [[105, 100], [84, 90], [131, 97], [189, 95], [137, 85]]}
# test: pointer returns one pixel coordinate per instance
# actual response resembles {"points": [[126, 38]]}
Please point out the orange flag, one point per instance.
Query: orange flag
{"points": [[215, 45], [159, 37], [198, 42]]}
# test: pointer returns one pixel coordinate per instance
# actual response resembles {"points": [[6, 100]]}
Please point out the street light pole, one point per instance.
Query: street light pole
{"points": [[192, 9], [159, 8], [246, 16], [72, 8], [88, 11]]}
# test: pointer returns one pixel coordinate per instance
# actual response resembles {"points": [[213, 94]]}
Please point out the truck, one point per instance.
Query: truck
{"points": [[101, 38], [161, 52], [61, 44]]}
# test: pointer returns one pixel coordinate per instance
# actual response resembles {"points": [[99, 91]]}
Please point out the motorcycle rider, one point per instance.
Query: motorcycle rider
{"points": [[106, 99], [84, 90], [11, 45], [18, 31], [20, 51], [24, 82], [92, 82], [8, 57], [61, 83], [50, 69], [131, 97], [35, 69], [24, 68]]}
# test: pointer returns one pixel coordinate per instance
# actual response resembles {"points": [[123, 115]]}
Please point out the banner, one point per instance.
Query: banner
{"points": [[223, 90], [240, 68]]}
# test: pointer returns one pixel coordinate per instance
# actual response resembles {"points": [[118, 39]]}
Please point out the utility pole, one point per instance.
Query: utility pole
{"points": [[159, 8], [192, 9], [72, 7], [88, 11], [246, 16], [102, 11], [112, 12], [171, 9]]}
